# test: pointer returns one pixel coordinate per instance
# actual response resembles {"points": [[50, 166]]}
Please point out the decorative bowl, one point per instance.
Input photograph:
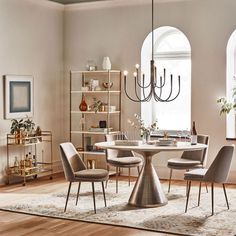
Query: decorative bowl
{"points": [[107, 85]]}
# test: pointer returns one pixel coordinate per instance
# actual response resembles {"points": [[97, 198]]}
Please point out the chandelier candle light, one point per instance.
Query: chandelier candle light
{"points": [[154, 89]]}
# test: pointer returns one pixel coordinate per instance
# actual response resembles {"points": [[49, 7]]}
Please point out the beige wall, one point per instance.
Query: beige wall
{"points": [[92, 32], [31, 42]]}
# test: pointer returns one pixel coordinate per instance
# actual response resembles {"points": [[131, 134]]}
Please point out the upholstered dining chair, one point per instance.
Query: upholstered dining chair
{"points": [[217, 173], [190, 159], [121, 159], [75, 171]]}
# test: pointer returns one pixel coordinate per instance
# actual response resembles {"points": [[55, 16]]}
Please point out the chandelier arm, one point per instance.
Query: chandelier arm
{"points": [[177, 93], [142, 86], [135, 89], [161, 85], [171, 90], [135, 100]]}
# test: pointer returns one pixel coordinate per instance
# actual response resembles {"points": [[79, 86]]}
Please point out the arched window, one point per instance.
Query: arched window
{"points": [[171, 51], [231, 83]]}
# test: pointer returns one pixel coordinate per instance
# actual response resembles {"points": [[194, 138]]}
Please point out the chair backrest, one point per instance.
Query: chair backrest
{"points": [[71, 161], [200, 155], [219, 169], [110, 153]]}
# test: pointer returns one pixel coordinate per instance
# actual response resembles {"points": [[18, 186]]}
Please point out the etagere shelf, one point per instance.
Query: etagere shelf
{"points": [[84, 125]]}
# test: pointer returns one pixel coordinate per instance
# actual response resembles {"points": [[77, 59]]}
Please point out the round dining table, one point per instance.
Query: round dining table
{"points": [[147, 191]]}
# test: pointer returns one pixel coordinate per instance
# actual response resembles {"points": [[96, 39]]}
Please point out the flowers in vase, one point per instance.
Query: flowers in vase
{"points": [[145, 131]]}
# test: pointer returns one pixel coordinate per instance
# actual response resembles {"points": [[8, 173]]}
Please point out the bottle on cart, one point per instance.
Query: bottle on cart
{"points": [[30, 160], [194, 134], [16, 166]]}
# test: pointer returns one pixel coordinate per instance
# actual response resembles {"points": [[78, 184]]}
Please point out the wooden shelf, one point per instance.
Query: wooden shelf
{"points": [[93, 112], [96, 92], [95, 71]]}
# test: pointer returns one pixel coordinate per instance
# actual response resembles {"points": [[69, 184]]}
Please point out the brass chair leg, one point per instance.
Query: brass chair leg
{"points": [[129, 176], [226, 199], [199, 193], [77, 197], [189, 187], [212, 199], [116, 179], [94, 202], [170, 180], [67, 198], [104, 196]]}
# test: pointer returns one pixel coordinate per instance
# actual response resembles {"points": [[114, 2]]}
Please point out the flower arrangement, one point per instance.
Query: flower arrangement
{"points": [[144, 131], [227, 106]]}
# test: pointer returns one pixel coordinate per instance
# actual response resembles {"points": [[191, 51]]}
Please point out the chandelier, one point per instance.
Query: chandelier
{"points": [[154, 88]]}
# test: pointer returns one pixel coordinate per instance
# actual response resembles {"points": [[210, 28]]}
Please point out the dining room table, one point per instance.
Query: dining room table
{"points": [[147, 191]]}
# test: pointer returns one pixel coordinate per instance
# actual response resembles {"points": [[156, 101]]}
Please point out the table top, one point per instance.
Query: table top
{"points": [[180, 146]]}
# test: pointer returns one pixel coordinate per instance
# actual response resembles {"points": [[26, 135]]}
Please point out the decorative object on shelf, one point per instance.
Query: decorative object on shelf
{"points": [[38, 132], [107, 85], [102, 124], [144, 131], [91, 65], [83, 105], [16, 128], [93, 84], [16, 166], [18, 86], [106, 64], [110, 108], [153, 89], [97, 105]]}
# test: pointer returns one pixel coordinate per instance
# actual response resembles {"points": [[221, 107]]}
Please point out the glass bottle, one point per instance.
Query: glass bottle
{"points": [[83, 105], [194, 134], [16, 166]]}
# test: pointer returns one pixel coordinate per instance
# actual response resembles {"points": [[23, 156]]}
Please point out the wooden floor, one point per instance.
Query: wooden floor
{"points": [[14, 224]]}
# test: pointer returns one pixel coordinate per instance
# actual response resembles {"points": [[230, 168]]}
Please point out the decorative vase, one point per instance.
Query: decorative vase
{"points": [[83, 105], [106, 64], [146, 137]]}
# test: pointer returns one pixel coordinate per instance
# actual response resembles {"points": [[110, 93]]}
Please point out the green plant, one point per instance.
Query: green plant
{"points": [[21, 125], [16, 125], [29, 125], [227, 106], [97, 104]]}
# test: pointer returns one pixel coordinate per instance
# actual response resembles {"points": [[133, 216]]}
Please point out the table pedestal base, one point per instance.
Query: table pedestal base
{"points": [[147, 191]]}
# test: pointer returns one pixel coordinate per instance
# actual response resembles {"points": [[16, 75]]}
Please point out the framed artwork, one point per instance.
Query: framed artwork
{"points": [[18, 90]]}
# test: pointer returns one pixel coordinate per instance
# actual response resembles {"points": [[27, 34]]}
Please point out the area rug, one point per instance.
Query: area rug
{"points": [[169, 218]]}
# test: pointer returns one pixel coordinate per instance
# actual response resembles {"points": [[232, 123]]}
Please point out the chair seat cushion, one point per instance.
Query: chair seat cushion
{"points": [[197, 174], [92, 175], [182, 163], [125, 161]]}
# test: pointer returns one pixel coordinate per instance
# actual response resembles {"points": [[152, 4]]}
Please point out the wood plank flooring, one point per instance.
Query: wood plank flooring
{"points": [[14, 224]]}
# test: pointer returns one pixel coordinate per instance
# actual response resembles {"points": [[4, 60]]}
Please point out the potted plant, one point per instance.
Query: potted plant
{"points": [[97, 105], [17, 126]]}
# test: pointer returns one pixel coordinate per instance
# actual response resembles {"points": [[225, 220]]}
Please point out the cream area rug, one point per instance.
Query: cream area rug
{"points": [[169, 218]]}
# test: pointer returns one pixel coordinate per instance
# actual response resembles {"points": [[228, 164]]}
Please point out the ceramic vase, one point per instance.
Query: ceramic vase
{"points": [[106, 64]]}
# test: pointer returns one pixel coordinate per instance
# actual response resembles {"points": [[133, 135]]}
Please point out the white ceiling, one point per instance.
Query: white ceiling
{"points": [[73, 1]]}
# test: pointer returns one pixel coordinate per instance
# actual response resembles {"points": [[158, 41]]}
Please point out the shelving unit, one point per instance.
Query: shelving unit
{"points": [[36, 164], [82, 121]]}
